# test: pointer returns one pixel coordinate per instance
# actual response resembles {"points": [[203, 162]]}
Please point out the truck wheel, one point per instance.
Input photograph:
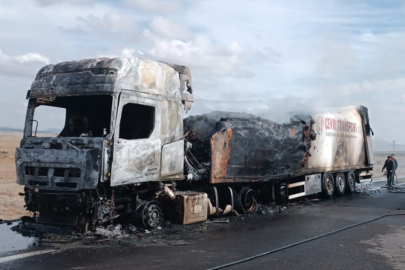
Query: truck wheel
{"points": [[351, 182], [150, 214], [340, 184], [247, 198], [328, 185], [86, 227]]}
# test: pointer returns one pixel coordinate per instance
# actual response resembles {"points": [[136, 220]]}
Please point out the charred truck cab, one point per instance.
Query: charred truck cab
{"points": [[123, 136], [125, 147]]}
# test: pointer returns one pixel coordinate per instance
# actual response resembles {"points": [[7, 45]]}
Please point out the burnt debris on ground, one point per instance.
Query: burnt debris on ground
{"points": [[112, 234], [125, 233], [367, 188]]}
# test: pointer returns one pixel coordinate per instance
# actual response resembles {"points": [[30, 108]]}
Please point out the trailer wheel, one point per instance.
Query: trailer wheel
{"points": [[248, 199], [340, 184], [150, 214], [328, 185], [351, 182]]}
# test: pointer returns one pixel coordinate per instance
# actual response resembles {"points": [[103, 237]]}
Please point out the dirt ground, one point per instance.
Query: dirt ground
{"points": [[12, 205]]}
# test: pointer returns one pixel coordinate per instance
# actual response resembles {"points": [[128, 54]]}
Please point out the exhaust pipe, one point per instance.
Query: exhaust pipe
{"points": [[169, 193]]}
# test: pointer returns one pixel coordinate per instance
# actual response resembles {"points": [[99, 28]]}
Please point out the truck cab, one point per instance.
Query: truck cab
{"points": [[123, 126]]}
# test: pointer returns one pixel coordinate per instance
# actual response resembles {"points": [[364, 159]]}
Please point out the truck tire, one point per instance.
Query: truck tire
{"points": [[328, 185], [247, 197], [150, 214], [340, 186], [350, 182]]}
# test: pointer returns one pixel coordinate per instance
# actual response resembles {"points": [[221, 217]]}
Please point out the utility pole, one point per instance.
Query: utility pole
{"points": [[393, 146]]}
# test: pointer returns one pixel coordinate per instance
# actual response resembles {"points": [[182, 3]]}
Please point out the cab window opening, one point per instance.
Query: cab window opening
{"points": [[137, 121]]}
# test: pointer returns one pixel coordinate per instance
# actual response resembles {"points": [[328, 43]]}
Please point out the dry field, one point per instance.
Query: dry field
{"points": [[12, 205]]}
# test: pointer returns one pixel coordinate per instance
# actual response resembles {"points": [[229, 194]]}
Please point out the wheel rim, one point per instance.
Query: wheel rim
{"points": [[248, 200], [152, 215], [351, 181], [341, 183], [329, 184]]}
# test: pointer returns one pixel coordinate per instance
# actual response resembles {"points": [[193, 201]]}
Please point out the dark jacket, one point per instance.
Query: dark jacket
{"points": [[389, 165]]}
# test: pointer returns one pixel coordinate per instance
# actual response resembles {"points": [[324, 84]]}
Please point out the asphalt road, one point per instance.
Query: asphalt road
{"points": [[375, 245]]}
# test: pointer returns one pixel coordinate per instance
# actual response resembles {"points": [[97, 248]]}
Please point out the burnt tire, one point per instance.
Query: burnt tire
{"points": [[150, 215], [328, 185], [247, 197], [340, 184], [350, 182]]}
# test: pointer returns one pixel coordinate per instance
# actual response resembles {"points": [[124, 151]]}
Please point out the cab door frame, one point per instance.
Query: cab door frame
{"points": [[136, 160]]}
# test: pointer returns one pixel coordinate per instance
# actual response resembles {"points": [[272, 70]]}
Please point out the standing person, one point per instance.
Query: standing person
{"points": [[395, 161], [389, 165]]}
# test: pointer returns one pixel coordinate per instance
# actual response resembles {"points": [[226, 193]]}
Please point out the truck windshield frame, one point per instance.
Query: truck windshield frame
{"points": [[85, 116]]}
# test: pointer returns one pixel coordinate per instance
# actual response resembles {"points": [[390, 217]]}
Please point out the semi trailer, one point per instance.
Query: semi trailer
{"points": [[125, 150]]}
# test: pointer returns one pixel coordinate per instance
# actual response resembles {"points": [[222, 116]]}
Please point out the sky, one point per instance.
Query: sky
{"points": [[262, 57]]}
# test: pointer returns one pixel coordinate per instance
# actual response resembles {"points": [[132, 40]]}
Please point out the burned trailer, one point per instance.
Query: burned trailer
{"points": [[121, 148], [327, 151]]}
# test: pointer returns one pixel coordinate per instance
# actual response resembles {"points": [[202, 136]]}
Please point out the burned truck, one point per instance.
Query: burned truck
{"points": [[126, 152]]}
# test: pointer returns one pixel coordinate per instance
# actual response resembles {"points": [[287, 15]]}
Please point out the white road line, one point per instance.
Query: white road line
{"points": [[24, 255]]}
